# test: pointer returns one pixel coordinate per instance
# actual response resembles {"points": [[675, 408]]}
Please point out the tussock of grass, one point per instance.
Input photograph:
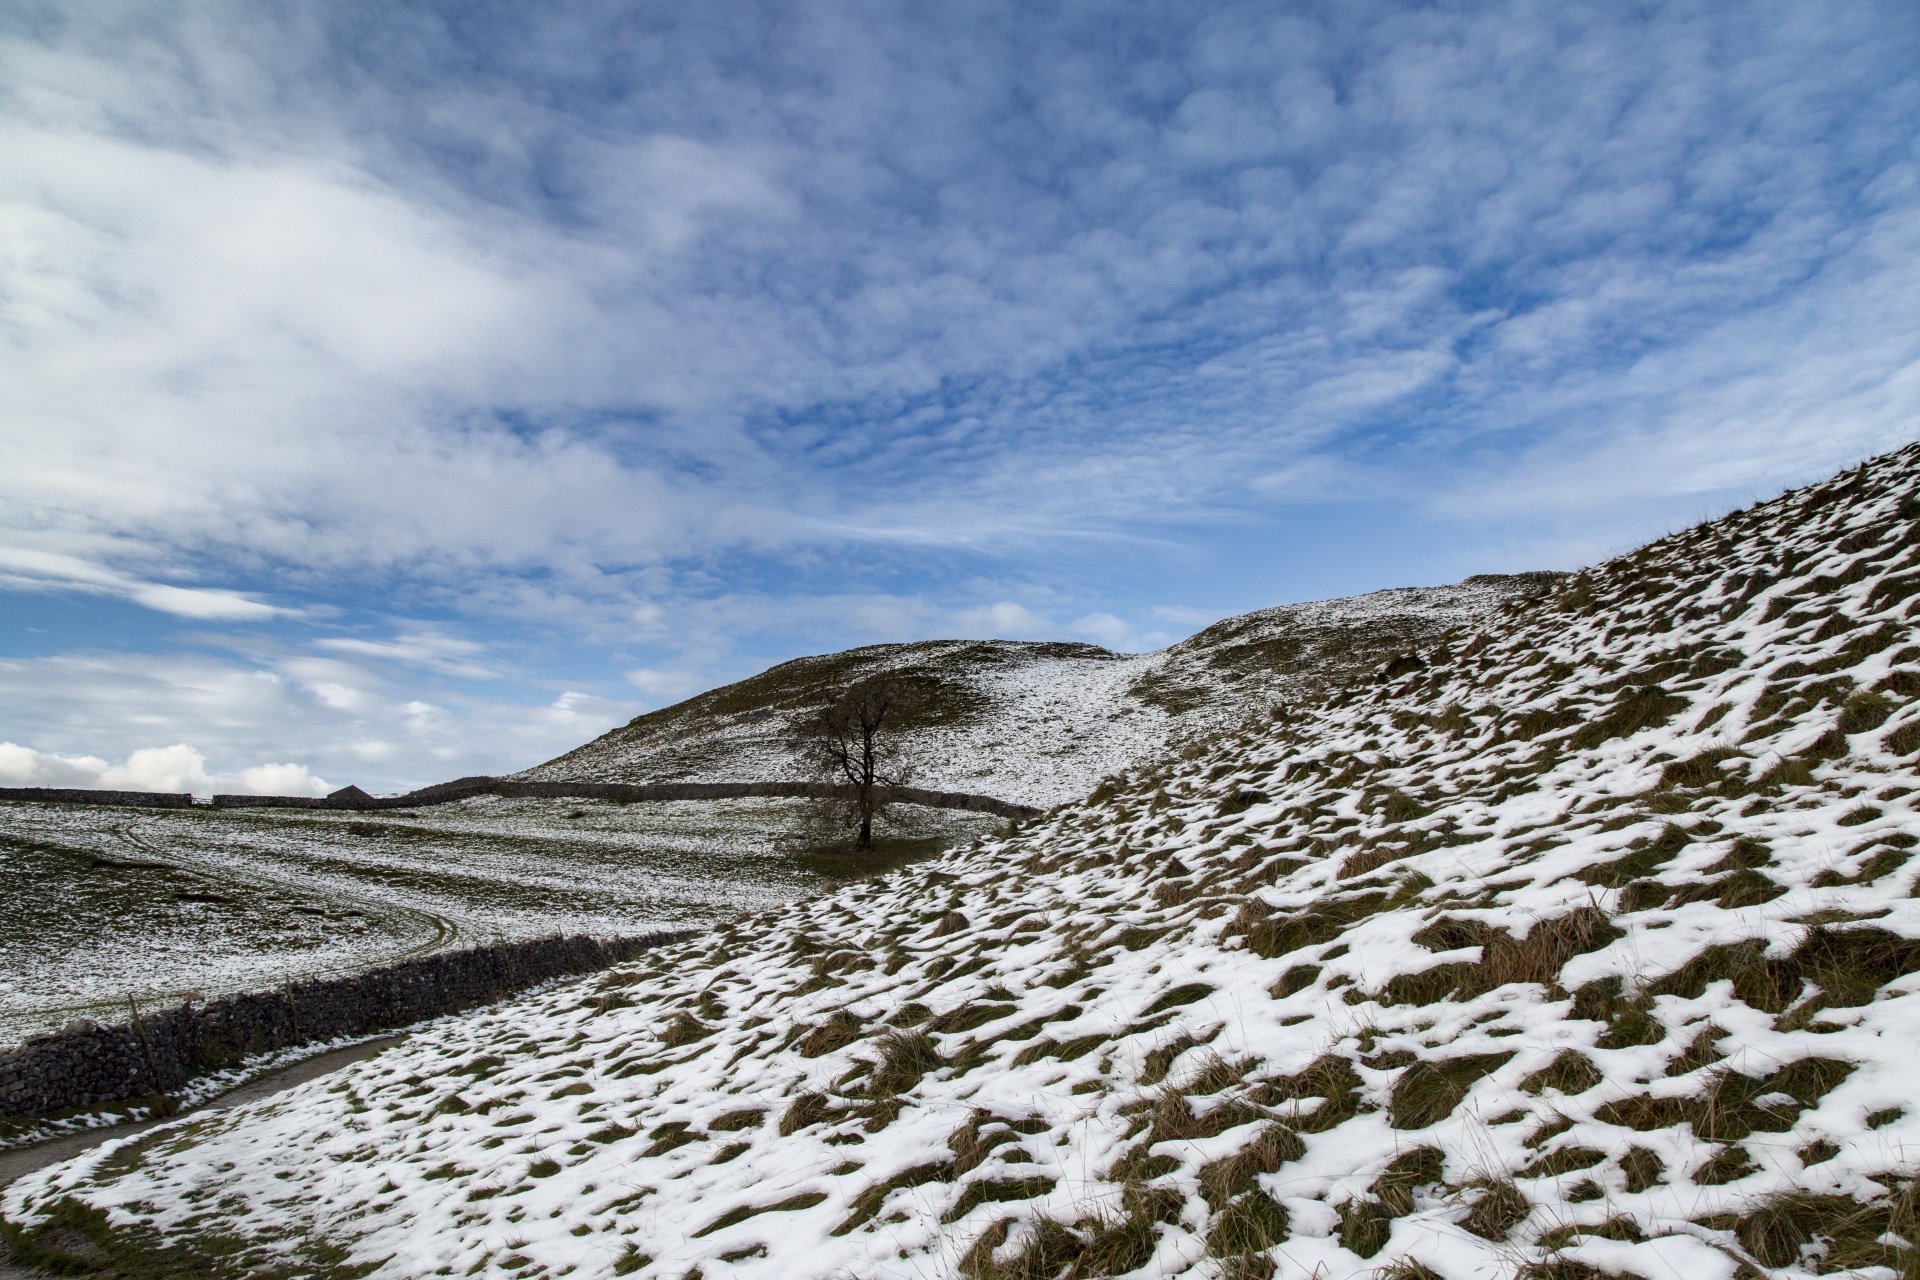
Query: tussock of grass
{"points": [[1253, 1223], [1856, 1235], [1726, 1110], [996, 1191], [804, 1111], [1428, 1091], [1184, 994], [1497, 1207], [1281, 934], [1847, 965], [1570, 1073], [1221, 1180], [1160, 1059], [1643, 1169], [1407, 1269], [735, 1216], [840, 1030], [869, 1202], [905, 1058], [1330, 1078]]}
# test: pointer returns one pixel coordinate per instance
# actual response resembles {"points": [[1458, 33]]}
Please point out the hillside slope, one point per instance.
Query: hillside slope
{"points": [[1041, 723], [1592, 951]]}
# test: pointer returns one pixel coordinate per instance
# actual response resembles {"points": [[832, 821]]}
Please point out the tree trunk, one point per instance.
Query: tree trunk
{"points": [[869, 768]]}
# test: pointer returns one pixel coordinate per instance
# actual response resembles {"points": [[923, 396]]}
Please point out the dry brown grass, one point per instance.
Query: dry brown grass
{"points": [[1427, 1092]]}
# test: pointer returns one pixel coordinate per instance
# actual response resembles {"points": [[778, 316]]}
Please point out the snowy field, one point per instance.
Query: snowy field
{"points": [[107, 904]]}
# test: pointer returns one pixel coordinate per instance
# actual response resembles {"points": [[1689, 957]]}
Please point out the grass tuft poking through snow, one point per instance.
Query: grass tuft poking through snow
{"points": [[1584, 946]]}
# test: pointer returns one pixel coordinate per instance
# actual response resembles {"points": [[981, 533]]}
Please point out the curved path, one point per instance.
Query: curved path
{"points": [[442, 932], [19, 1163]]}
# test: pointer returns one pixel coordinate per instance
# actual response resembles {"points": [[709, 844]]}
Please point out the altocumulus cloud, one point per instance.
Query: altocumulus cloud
{"points": [[396, 370]]}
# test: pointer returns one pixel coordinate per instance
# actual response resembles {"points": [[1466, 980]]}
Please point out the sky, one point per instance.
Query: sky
{"points": [[397, 391]]}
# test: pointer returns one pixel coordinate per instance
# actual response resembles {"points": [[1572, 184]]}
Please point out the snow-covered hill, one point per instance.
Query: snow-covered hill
{"points": [[1591, 950], [1042, 723]]}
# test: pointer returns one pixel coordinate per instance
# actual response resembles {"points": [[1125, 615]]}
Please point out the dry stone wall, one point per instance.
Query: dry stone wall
{"points": [[84, 795], [90, 1064], [466, 788]]}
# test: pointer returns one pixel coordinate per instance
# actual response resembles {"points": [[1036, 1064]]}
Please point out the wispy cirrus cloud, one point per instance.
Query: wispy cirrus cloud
{"points": [[24, 568], [448, 655]]}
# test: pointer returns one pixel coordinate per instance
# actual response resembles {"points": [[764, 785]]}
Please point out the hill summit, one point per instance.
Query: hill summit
{"points": [[1589, 949], [1041, 723]]}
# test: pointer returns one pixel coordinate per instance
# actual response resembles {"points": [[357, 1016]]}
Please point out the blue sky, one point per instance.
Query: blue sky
{"points": [[391, 392]]}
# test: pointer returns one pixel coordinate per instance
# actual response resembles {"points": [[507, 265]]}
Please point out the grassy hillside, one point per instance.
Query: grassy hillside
{"points": [[1042, 723], [1588, 950]]}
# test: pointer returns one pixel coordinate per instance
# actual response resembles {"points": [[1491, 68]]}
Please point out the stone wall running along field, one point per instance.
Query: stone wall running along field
{"points": [[88, 795], [91, 1064]]}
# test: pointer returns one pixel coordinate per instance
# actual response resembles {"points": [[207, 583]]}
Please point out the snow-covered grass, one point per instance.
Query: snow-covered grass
{"points": [[111, 903], [31, 1131], [1589, 948]]}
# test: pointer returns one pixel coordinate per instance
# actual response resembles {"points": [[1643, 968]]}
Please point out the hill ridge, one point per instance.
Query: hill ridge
{"points": [[1041, 722]]}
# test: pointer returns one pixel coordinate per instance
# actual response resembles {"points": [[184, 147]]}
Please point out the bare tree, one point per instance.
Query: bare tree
{"points": [[853, 743]]}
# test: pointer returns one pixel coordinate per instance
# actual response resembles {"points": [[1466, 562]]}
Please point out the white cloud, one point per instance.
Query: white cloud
{"points": [[1112, 632], [340, 697], [230, 722], [175, 768], [282, 780], [582, 715], [1191, 619], [649, 618], [447, 654], [24, 767], [1001, 620], [30, 569], [666, 684], [314, 337], [201, 602], [1104, 629]]}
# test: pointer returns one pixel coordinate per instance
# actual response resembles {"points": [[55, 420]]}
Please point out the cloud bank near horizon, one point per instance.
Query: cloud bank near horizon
{"points": [[490, 355], [175, 768]]}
